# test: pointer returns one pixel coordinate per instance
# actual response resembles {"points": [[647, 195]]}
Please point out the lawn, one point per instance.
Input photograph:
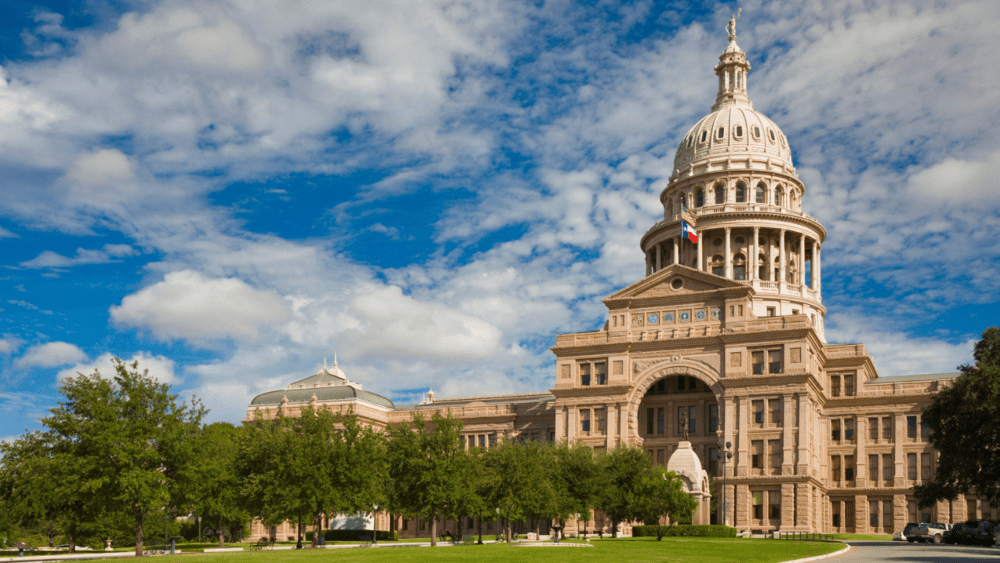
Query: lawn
{"points": [[701, 550]]}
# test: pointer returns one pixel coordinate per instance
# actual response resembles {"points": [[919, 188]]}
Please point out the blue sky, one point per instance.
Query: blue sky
{"points": [[230, 192]]}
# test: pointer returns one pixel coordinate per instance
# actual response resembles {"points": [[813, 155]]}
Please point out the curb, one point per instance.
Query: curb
{"points": [[819, 557]]}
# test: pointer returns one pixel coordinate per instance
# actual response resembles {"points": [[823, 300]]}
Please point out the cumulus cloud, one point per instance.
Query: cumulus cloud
{"points": [[188, 305], [399, 323], [50, 259], [160, 368], [9, 345], [51, 354]]}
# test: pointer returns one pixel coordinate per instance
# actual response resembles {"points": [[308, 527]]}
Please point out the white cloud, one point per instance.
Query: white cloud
{"points": [[187, 305], [398, 323], [101, 167], [160, 368], [9, 345], [49, 259], [51, 354], [953, 182]]}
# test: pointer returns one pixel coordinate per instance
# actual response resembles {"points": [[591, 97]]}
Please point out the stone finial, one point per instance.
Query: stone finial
{"points": [[430, 396], [731, 28]]}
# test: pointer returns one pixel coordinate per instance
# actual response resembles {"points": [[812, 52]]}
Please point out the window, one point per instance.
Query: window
{"points": [[741, 193], [584, 374], [774, 411], [774, 361], [835, 468], [835, 514], [774, 452], [681, 384], [704, 135], [774, 505], [718, 267], [771, 133], [758, 505], [758, 412], [848, 468], [406, 524], [873, 511], [887, 427], [739, 79], [713, 461], [659, 457], [848, 384], [911, 427], [693, 419], [756, 457], [585, 421], [849, 429], [739, 130], [887, 467], [690, 140], [493, 440], [771, 311], [757, 361], [925, 429], [873, 468], [461, 441], [873, 429], [739, 267], [911, 467], [661, 421], [759, 194], [482, 440], [887, 515], [925, 467], [756, 131], [835, 430], [601, 369], [699, 198], [834, 385], [713, 418], [720, 193], [722, 132], [649, 422], [602, 423], [777, 196]]}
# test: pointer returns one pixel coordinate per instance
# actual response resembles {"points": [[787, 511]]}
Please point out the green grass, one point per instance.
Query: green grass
{"points": [[700, 550]]}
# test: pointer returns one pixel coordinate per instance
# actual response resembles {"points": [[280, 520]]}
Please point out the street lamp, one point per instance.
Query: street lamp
{"points": [[199, 529], [498, 523], [374, 526], [726, 455]]}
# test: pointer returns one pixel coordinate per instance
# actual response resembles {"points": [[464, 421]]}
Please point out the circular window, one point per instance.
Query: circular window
{"points": [[677, 283], [738, 240], [716, 312], [717, 242], [653, 319], [685, 316], [668, 317], [700, 315]]}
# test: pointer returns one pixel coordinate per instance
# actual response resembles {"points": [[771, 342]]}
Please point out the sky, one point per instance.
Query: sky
{"points": [[232, 192]]}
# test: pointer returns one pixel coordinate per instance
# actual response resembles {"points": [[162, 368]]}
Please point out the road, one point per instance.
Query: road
{"points": [[896, 552]]}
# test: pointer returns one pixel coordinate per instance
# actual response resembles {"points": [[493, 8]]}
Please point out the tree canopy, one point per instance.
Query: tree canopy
{"points": [[963, 419]]}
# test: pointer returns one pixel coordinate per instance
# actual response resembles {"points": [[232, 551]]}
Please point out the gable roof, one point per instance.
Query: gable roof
{"points": [[692, 282]]}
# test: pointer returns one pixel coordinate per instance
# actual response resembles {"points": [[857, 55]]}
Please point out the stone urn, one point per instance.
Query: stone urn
{"points": [[107, 545]]}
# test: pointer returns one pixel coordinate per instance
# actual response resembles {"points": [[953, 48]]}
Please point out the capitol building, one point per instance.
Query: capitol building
{"points": [[722, 342]]}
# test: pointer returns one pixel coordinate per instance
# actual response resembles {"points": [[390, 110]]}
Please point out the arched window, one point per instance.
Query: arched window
{"points": [[739, 267], [761, 267], [741, 193], [777, 196], [759, 194], [699, 198], [720, 193], [718, 265], [739, 79], [793, 271]]}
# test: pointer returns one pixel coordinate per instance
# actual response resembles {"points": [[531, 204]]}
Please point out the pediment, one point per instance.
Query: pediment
{"points": [[676, 281]]}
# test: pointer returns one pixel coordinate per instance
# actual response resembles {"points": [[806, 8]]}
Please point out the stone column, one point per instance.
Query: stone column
{"points": [[769, 258], [788, 455], [861, 514], [742, 506], [727, 406], [802, 260], [803, 507], [959, 509], [754, 251], [649, 265], [782, 257], [677, 253], [743, 469], [819, 272], [787, 506], [729, 253], [860, 458], [560, 423], [700, 259], [612, 418], [659, 257], [802, 467], [898, 457], [900, 512], [812, 270]]}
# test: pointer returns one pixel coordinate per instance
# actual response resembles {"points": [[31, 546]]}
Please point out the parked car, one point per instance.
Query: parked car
{"points": [[985, 533], [929, 532], [953, 535], [907, 530]]}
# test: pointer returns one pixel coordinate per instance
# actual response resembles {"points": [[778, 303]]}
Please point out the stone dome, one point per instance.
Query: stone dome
{"points": [[733, 130]]}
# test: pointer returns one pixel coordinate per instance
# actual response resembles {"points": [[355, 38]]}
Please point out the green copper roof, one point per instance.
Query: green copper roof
{"points": [[323, 394]]}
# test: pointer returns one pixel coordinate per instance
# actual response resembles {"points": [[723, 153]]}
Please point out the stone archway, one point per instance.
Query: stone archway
{"points": [[673, 366]]}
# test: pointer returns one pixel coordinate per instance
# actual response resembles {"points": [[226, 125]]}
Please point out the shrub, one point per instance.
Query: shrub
{"points": [[354, 535], [686, 530]]}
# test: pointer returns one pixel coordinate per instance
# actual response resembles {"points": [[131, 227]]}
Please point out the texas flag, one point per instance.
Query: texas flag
{"points": [[688, 233]]}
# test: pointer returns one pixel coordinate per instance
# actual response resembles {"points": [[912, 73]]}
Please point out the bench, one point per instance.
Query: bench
{"points": [[263, 544], [22, 547], [366, 541]]}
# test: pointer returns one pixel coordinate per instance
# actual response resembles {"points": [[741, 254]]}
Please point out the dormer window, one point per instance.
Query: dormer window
{"points": [[722, 132], [756, 132], [690, 141], [704, 136], [739, 130], [771, 133]]}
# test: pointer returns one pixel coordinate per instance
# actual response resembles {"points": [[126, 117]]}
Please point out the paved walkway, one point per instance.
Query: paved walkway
{"points": [[896, 552]]}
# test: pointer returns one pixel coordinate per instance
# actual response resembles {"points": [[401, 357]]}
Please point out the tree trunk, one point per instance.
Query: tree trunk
{"points": [[434, 527], [480, 521], [317, 524], [138, 537], [222, 537], [614, 531]]}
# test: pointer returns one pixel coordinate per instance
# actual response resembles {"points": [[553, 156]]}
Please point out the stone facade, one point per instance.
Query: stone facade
{"points": [[727, 329]]}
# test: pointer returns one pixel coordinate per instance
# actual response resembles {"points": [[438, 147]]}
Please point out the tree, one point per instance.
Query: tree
{"points": [[625, 469], [426, 464], [120, 442], [211, 484], [521, 484], [963, 422], [664, 497], [577, 479]]}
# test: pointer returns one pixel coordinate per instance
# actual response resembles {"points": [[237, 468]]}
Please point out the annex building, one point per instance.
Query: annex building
{"points": [[724, 334]]}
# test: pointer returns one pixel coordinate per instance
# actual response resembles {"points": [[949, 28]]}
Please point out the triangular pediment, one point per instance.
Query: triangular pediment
{"points": [[676, 281]]}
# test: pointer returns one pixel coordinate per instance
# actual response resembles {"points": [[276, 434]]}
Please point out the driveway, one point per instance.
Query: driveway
{"points": [[895, 552]]}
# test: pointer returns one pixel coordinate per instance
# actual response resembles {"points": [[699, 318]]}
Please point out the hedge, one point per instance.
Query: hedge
{"points": [[354, 535], [686, 530]]}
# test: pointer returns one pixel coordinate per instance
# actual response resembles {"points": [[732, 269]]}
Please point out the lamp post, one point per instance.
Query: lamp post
{"points": [[374, 525], [199, 529], [726, 455], [498, 523]]}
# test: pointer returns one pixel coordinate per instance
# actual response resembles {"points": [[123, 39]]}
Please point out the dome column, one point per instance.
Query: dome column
{"points": [[816, 268], [659, 257], [754, 251], [700, 267], [677, 252], [729, 253], [802, 260], [782, 267]]}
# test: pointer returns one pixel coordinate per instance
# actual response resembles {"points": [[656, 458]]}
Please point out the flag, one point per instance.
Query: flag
{"points": [[688, 233]]}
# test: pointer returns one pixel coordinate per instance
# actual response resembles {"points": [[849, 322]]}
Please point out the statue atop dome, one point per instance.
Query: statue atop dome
{"points": [[731, 28]]}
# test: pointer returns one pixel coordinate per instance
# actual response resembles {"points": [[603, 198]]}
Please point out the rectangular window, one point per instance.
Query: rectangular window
{"points": [[911, 427], [873, 429], [925, 429], [771, 311], [470, 523], [911, 467], [757, 361], [681, 384], [601, 370], [757, 447], [461, 442], [887, 427], [493, 440], [661, 420], [774, 412], [873, 512], [713, 418], [849, 429], [758, 505], [584, 374], [649, 422], [758, 412], [774, 505], [602, 423], [925, 467], [849, 514], [873, 468], [775, 453], [848, 384], [693, 420], [774, 363], [681, 411], [659, 457], [887, 467], [834, 385], [887, 515], [848, 468], [835, 468], [835, 513], [585, 421], [835, 430], [406, 524], [713, 462], [482, 440]]}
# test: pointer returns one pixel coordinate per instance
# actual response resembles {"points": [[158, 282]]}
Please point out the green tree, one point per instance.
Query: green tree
{"points": [[625, 470], [664, 497], [521, 483], [964, 429], [426, 464], [576, 479], [212, 486]]}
